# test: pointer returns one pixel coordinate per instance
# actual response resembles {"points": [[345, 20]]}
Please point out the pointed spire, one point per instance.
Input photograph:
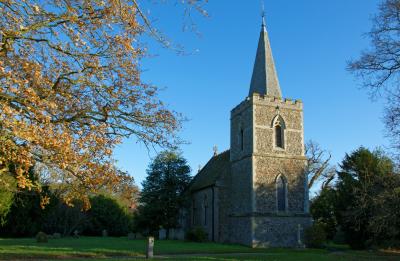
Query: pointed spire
{"points": [[265, 79]]}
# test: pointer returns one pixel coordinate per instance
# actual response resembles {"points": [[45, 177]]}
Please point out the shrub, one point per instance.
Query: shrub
{"points": [[41, 237], [315, 236], [197, 234]]}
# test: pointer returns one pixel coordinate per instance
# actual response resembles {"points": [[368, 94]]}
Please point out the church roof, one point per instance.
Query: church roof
{"points": [[264, 80], [215, 167]]}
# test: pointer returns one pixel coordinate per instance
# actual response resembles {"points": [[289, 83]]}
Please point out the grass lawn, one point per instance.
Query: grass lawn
{"points": [[116, 248]]}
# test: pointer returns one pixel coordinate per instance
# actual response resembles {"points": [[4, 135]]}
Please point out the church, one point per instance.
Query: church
{"points": [[256, 192]]}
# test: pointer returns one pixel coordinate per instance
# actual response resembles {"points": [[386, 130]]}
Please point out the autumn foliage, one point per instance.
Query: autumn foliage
{"points": [[70, 90]]}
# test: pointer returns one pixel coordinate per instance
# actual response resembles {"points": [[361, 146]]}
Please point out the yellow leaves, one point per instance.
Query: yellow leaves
{"points": [[36, 8], [44, 200], [71, 93]]}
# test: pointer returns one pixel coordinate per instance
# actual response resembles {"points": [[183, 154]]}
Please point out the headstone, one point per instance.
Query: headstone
{"points": [[131, 236], [150, 247], [299, 241], [56, 235], [104, 233], [162, 234]]}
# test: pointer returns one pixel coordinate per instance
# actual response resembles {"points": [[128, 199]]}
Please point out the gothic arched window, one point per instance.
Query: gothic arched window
{"points": [[281, 193], [279, 129]]}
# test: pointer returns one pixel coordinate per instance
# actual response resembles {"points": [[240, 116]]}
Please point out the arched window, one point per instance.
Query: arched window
{"points": [[205, 209], [279, 129], [281, 193], [278, 136], [194, 213], [241, 139]]}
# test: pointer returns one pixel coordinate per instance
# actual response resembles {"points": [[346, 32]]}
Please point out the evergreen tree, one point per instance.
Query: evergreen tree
{"points": [[162, 195], [364, 202]]}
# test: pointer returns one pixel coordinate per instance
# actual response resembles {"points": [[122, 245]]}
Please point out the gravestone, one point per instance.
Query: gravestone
{"points": [[131, 236], [104, 233], [162, 234], [299, 241], [150, 248]]}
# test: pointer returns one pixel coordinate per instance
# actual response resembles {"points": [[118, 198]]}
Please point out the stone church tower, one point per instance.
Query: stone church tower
{"points": [[269, 204], [256, 193]]}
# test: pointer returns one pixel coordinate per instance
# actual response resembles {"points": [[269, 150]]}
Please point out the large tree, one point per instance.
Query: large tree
{"points": [[70, 90], [364, 201], [379, 66], [162, 195]]}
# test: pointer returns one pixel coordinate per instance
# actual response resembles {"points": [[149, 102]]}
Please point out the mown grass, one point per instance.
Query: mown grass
{"points": [[97, 248]]}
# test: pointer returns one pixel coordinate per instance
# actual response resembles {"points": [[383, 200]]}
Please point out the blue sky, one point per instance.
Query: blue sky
{"points": [[311, 42]]}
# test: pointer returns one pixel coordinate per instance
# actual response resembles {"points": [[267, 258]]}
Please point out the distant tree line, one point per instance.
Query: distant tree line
{"points": [[25, 216], [118, 210]]}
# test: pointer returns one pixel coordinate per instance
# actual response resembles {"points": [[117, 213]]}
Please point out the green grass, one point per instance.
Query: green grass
{"points": [[98, 248]]}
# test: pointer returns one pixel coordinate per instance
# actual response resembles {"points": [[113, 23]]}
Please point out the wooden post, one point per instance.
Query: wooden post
{"points": [[150, 247]]}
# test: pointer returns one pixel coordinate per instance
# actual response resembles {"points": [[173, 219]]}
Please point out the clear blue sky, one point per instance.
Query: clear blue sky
{"points": [[311, 42]]}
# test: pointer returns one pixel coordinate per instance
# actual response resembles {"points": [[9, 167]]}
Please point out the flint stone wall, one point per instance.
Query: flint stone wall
{"points": [[279, 231]]}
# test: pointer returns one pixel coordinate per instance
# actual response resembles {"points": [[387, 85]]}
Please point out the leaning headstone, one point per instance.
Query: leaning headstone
{"points": [[131, 236], [162, 234], [56, 235], [41, 237], [104, 233], [150, 248]]}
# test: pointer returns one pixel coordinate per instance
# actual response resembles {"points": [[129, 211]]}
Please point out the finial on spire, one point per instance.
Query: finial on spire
{"points": [[263, 13]]}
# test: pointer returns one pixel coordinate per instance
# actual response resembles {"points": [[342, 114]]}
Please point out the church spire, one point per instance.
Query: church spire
{"points": [[265, 79]]}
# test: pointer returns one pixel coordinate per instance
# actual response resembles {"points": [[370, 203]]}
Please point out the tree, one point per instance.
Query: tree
{"points": [[162, 195], [323, 210], [366, 182], [7, 190], [70, 89], [379, 66], [126, 191], [318, 168], [364, 201], [107, 214]]}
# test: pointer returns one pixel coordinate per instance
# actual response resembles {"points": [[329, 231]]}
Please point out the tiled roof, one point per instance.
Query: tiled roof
{"points": [[215, 167]]}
